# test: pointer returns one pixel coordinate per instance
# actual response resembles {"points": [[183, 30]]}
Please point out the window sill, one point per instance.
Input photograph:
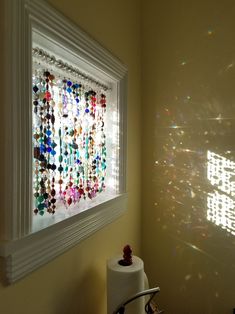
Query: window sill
{"points": [[25, 255]]}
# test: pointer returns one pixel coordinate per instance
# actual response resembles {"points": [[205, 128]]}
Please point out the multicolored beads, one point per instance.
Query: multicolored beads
{"points": [[69, 142]]}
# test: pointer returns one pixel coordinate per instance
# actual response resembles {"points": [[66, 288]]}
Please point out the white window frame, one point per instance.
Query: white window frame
{"points": [[24, 251]]}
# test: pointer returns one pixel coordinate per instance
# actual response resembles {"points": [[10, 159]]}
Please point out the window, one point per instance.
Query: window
{"points": [[65, 160], [75, 135]]}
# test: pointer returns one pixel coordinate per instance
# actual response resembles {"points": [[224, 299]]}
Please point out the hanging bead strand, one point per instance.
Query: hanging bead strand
{"points": [[36, 137]]}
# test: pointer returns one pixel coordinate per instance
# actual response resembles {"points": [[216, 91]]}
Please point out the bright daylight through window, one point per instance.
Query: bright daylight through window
{"points": [[75, 139]]}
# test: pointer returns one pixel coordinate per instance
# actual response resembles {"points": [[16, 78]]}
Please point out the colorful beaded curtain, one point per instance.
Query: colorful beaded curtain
{"points": [[69, 142]]}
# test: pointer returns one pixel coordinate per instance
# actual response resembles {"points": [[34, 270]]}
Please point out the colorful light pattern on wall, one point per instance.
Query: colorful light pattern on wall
{"points": [[220, 203]]}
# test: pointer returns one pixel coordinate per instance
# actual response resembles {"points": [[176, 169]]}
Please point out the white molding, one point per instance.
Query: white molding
{"points": [[27, 254], [51, 21], [24, 251]]}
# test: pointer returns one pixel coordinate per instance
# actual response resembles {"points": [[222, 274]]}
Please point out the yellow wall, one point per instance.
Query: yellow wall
{"points": [[2, 108], [188, 50], [188, 109], [75, 282]]}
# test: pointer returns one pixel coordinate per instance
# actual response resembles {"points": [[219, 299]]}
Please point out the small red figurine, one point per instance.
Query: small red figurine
{"points": [[127, 256]]}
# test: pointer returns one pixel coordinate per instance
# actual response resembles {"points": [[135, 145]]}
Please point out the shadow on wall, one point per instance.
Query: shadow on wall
{"points": [[85, 297]]}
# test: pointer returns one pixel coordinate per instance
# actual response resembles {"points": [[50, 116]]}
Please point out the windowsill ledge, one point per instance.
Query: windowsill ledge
{"points": [[25, 255]]}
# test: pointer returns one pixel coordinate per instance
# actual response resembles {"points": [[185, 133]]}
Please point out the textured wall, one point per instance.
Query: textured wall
{"points": [[75, 282], [188, 109]]}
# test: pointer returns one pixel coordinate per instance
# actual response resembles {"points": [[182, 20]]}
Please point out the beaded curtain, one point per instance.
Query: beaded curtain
{"points": [[69, 142]]}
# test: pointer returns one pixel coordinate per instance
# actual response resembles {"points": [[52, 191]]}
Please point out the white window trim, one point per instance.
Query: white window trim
{"points": [[25, 252]]}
